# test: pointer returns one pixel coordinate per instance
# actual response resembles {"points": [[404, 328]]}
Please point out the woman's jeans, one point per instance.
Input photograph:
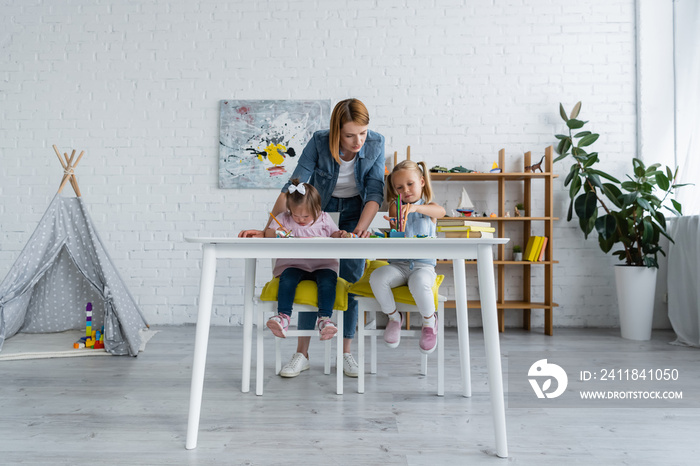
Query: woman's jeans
{"points": [[350, 269], [326, 280]]}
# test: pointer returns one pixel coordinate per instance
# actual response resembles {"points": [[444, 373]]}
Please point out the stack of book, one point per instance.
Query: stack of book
{"points": [[535, 249], [458, 228]]}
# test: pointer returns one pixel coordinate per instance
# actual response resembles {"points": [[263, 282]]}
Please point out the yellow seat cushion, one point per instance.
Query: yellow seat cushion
{"points": [[307, 293], [401, 293]]}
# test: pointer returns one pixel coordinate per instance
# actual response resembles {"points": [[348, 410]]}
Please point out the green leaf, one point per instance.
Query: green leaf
{"points": [[648, 234], [585, 205], [613, 193], [561, 146], [562, 156], [560, 136], [644, 204], [587, 225], [570, 213], [575, 187], [629, 198], [677, 206], [582, 134], [652, 169], [662, 181], [606, 226], [592, 158], [588, 140], [575, 124], [595, 181], [661, 218], [562, 112], [603, 174], [576, 109], [606, 244], [572, 172], [629, 185]]}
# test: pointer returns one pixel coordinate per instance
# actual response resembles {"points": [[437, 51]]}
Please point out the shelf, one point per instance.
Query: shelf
{"points": [[488, 176], [499, 262], [541, 219], [476, 304], [501, 219]]}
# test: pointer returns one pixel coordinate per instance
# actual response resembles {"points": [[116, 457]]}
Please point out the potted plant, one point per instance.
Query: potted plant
{"points": [[519, 210], [517, 253], [627, 213]]}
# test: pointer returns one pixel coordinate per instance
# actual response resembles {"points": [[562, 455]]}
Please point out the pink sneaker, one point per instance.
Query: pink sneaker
{"points": [[428, 338], [392, 332], [278, 325], [326, 328]]}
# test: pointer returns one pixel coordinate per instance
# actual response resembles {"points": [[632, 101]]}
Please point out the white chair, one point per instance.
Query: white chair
{"points": [[266, 309], [369, 307]]}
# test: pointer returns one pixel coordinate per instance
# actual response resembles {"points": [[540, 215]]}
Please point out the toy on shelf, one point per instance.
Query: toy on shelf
{"points": [[466, 207], [535, 166], [495, 169]]}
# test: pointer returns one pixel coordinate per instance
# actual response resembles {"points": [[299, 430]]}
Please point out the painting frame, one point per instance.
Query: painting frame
{"points": [[260, 141]]}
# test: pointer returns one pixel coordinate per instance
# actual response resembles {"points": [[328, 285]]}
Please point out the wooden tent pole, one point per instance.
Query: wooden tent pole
{"points": [[69, 169]]}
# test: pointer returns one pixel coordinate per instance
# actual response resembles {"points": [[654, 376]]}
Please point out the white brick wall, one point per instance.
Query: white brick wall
{"points": [[137, 85]]}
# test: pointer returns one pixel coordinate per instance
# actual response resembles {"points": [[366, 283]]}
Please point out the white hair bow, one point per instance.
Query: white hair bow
{"points": [[300, 188]]}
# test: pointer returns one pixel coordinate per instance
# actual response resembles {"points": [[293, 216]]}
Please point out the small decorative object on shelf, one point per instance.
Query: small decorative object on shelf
{"points": [[495, 169], [519, 210], [535, 166], [517, 253], [466, 207]]}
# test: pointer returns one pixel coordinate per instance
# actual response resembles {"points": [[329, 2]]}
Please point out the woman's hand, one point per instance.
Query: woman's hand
{"points": [[251, 234], [338, 234], [362, 233]]}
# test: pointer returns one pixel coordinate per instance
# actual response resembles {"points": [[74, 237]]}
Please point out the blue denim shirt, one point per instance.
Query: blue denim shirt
{"points": [[317, 167]]}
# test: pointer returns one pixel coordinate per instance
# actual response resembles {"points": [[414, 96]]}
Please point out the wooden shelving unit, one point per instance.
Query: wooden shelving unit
{"points": [[543, 226]]}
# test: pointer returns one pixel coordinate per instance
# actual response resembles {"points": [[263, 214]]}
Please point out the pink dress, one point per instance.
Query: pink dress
{"points": [[323, 227]]}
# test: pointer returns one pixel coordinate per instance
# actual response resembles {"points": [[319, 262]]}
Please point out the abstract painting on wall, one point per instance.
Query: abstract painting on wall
{"points": [[260, 141]]}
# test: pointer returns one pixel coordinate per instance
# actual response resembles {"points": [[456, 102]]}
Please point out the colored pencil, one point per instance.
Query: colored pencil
{"points": [[278, 222], [398, 213]]}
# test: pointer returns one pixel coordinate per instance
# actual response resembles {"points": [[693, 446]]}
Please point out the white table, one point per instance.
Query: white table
{"points": [[251, 249]]}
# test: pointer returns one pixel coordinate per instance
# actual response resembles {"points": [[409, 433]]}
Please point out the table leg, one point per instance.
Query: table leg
{"points": [[206, 294], [462, 324], [489, 316], [248, 304]]}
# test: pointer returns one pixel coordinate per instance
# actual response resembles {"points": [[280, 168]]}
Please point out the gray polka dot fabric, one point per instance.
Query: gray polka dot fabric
{"points": [[63, 267]]}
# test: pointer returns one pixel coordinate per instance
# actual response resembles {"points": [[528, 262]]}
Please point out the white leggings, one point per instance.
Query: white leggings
{"points": [[420, 282]]}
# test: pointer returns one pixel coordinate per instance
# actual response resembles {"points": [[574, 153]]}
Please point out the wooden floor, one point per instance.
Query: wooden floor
{"points": [[123, 410]]}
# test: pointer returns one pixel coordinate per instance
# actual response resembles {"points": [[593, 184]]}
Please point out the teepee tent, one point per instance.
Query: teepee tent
{"points": [[63, 266]]}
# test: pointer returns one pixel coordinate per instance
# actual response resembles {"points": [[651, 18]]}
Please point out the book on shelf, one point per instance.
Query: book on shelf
{"points": [[535, 249], [468, 234], [461, 222], [543, 248], [531, 244], [444, 228]]}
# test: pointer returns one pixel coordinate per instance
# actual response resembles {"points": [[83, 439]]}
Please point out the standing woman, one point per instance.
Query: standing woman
{"points": [[346, 166]]}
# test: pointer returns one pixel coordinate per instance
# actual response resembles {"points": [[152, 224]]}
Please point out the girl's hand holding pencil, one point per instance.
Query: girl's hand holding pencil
{"points": [[287, 232]]}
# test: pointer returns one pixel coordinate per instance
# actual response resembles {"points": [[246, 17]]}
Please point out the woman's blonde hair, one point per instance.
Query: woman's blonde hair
{"points": [[422, 172], [344, 111], [311, 200]]}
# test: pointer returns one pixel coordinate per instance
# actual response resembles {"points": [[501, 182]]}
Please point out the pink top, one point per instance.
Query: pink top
{"points": [[324, 226]]}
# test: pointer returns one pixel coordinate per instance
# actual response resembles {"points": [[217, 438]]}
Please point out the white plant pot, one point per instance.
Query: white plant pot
{"points": [[517, 256], [636, 288]]}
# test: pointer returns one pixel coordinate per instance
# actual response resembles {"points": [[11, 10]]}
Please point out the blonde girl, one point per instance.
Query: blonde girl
{"points": [[411, 181]]}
